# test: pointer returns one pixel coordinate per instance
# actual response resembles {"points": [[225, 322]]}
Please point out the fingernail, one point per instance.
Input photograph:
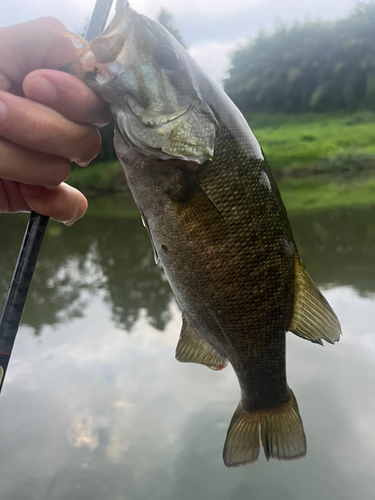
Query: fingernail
{"points": [[73, 219], [3, 110], [82, 164], [30, 191], [41, 90], [70, 222]]}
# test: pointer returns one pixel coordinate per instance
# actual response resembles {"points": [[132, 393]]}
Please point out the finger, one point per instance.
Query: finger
{"points": [[31, 167], [11, 199], [67, 95], [33, 45], [65, 204], [35, 126], [5, 83]]}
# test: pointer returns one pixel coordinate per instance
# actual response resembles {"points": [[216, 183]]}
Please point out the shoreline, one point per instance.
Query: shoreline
{"points": [[319, 161]]}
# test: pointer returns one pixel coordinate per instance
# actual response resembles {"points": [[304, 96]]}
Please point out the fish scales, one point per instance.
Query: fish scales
{"points": [[217, 224]]}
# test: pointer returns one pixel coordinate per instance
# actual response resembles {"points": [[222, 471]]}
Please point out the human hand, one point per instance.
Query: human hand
{"points": [[47, 119]]}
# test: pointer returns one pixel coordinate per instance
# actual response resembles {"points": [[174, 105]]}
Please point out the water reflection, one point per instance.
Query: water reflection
{"points": [[113, 255], [133, 281], [93, 416], [89, 413], [338, 247]]}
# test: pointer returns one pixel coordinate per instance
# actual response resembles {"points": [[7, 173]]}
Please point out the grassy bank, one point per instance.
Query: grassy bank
{"points": [[309, 194], [319, 160], [99, 179], [291, 141]]}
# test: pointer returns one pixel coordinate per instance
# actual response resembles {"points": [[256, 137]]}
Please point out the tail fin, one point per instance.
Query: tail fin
{"points": [[280, 431]]}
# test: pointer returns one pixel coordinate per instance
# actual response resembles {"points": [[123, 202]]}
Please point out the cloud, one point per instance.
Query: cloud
{"points": [[211, 29], [219, 20], [72, 13], [213, 57], [96, 406], [225, 21]]}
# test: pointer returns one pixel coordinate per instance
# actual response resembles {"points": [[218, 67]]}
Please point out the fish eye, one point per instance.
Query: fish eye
{"points": [[167, 58]]}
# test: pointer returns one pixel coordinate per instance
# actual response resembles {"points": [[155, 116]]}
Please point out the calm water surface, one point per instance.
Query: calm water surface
{"points": [[95, 406]]}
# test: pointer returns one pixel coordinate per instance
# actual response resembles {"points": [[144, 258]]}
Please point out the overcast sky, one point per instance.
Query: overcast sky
{"points": [[211, 28]]}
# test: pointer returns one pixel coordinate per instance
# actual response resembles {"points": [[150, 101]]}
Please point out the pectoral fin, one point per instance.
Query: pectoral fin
{"points": [[194, 206], [191, 348], [313, 318]]}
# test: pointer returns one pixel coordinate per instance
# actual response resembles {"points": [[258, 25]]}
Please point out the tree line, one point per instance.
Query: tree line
{"points": [[315, 66]]}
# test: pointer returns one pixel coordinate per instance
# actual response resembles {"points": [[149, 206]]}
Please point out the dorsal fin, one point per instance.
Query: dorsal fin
{"points": [[313, 318], [191, 348]]}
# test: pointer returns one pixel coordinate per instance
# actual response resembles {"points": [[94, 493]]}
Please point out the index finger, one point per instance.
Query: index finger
{"points": [[67, 95]]}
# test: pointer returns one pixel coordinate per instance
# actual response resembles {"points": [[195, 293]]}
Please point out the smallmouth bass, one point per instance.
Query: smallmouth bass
{"points": [[216, 222]]}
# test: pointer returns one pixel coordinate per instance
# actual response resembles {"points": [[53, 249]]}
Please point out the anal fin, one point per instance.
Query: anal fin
{"points": [[279, 429], [191, 348], [313, 318]]}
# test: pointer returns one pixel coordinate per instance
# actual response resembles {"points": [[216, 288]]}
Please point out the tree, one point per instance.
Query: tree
{"points": [[166, 19], [316, 66]]}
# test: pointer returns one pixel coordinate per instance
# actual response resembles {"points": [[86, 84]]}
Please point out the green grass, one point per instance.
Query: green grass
{"points": [[297, 194], [118, 205], [99, 178], [291, 141], [308, 194]]}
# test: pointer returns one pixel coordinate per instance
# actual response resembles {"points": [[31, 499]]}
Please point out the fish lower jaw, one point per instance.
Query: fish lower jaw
{"points": [[155, 121]]}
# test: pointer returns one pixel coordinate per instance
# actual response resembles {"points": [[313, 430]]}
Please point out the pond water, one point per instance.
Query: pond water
{"points": [[94, 405]]}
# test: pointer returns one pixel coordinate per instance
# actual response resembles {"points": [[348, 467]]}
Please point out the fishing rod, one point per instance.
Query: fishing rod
{"points": [[24, 269]]}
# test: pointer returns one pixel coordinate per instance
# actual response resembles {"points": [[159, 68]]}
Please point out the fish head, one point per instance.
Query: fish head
{"points": [[152, 86]]}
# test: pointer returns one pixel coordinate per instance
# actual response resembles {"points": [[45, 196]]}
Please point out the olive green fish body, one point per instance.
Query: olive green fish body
{"points": [[223, 238], [217, 225]]}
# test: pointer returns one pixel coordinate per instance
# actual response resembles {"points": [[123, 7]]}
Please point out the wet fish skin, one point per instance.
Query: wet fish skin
{"points": [[233, 281], [217, 223]]}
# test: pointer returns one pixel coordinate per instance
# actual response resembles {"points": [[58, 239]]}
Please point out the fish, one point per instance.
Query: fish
{"points": [[217, 225]]}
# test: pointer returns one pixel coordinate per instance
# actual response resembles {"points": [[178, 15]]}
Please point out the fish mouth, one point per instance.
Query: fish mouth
{"points": [[153, 121], [107, 46], [155, 114], [99, 57]]}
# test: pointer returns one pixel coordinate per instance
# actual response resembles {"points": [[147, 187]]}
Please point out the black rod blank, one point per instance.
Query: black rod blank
{"points": [[19, 287]]}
